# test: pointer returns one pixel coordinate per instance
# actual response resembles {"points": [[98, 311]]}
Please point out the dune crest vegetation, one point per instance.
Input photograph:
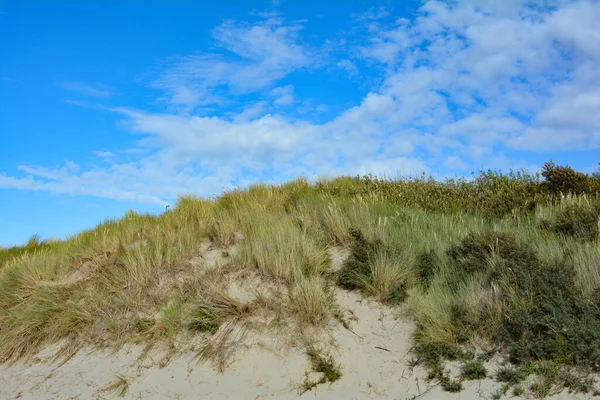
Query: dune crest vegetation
{"points": [[502, 265]]}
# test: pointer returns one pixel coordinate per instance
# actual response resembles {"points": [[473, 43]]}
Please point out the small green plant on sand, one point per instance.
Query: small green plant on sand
{"points": [[473, 370], [325, 365]]}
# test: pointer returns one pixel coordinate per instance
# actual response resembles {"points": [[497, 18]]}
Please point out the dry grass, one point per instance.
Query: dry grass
{"points": [[120, 386], [312, 299], [389, 271], [280, 249]]}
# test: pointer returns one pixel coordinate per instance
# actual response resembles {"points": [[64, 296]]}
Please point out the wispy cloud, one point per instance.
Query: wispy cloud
{"points": [[86, 89], [461, 86], [105, 155], [253, 57]]}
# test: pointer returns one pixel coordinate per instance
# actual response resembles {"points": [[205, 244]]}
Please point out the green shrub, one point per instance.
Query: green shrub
{"points": [[564, 179], [357, 270], [427, 266], [518, 391], [433, 352], [546, 318], [511, 375], [473, 370], [497, 256], [397, 294]]}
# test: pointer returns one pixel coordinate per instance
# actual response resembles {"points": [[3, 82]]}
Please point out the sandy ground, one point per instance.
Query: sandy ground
{"points": [[373, 357], [373, 354]]}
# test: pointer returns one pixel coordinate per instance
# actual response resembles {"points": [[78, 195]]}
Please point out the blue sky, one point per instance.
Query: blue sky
{"points": [[110, 106]]}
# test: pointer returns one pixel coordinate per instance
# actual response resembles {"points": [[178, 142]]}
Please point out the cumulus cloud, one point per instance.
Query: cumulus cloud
{"points": [[461, 85]]}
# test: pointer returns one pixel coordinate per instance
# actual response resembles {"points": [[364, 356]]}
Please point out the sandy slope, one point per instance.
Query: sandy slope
{"points": [[262, 370], [373, 356]]}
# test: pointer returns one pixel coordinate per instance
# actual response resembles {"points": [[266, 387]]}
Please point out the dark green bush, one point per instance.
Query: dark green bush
{"points": [[564, 179], [451, 386], [427, 266], [546, 318], [356, 270], [473, 253], [431, 352]]}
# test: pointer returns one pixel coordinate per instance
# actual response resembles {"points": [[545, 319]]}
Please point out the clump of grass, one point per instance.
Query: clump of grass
{"points": [[222, 227], [501, 391], [388, 276], [542, 386], [279, 248], [203, 318], [576, 383], [586, 258], [473, 370], [120, 386], [518, 391], [312, 300], [451, 385], [169, 317], [377, 269]]}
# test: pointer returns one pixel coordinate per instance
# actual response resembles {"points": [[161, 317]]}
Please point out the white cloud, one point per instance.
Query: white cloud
{"points": [[86, 89], [349, 67], [257, 55], [284, 96], [105, 155]]}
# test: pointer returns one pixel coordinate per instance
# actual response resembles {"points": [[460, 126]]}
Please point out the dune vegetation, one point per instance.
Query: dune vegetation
{"points": [[503, 265]]}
